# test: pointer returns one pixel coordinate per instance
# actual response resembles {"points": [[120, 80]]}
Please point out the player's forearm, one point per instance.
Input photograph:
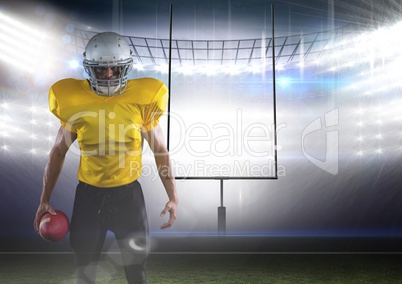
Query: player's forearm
{"points": [[166, 175], [51, 174]]}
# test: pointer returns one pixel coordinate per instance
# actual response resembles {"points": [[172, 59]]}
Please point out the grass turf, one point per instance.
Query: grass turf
{"points": [[214, 268]]}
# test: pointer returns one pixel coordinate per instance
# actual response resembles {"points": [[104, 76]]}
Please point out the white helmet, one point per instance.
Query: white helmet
{"points": [[108, 50]]}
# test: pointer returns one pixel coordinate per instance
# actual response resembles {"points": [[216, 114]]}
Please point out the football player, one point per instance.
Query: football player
{"points": [[109, 115]]}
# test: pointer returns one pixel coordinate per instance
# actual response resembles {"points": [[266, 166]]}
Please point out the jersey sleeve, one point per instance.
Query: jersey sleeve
{"points": [[154, 111], [54, 108]]}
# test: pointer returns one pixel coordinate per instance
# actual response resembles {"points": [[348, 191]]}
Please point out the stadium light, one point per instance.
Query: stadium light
{"points": [[21, 46], [284, 81], [162, 68], [74, 64], [5, 105]]}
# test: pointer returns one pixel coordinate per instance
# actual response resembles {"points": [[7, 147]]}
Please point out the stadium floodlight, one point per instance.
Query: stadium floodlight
{"points": [[284, 81], [162, 68], [5, 134], [74, 64], [360, 111], [21, 46], [24, 28]]}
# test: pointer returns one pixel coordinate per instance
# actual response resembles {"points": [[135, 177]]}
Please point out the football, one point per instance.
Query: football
{"points": [[53, 228]]}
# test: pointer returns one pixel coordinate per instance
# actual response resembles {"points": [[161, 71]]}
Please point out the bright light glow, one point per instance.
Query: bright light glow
{"points": [[263, 48], [350, 64], [211, 70], [186, 70], [254, 69], [284, 81], [352, 86], [360, 111], [8, 55], [139, 67], [237, 70], [21, 26], [280, 67], [74, 64], [376, 51], [4, 134], [162, 68], [16, 37], [22, 46]]}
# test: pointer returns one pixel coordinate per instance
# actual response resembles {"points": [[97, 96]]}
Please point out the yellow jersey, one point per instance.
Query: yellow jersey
{"points": [[109, 128]]}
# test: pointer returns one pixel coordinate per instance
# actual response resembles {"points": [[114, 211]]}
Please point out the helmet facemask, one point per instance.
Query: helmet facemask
{"points": [[108, 52]]}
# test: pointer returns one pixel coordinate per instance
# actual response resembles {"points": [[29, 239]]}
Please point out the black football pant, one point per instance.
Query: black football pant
{"points": [[120, 210]]}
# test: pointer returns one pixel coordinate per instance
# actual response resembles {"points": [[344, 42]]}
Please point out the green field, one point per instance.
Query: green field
{"points": [[214, 268]]}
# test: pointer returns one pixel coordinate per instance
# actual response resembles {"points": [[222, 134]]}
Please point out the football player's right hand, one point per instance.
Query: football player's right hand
{"points": [[42, 209]]}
